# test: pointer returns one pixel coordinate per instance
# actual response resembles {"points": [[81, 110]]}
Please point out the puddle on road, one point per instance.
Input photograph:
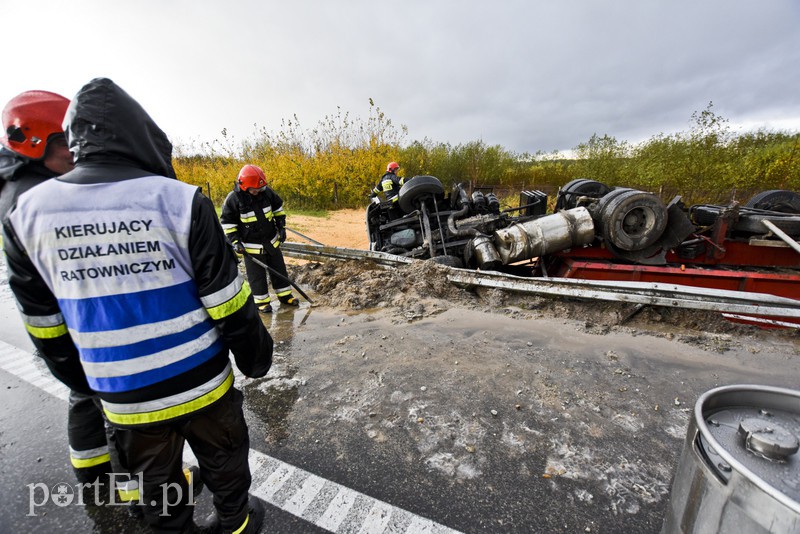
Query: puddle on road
{"points": [[269, 401], [271, 406]]}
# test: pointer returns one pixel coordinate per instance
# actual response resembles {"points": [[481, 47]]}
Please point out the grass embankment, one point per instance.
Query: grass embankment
{"points": [[336, 164]]}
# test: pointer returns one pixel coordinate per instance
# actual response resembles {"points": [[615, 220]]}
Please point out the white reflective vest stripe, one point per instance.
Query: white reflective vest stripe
{"points": [[116, 257]]}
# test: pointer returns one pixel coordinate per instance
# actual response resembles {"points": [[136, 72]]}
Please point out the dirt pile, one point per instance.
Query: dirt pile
{"points": [[416, 290], [421, 289]]}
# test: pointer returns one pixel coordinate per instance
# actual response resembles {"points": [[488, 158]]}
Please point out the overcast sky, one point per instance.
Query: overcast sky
{"points": [[529, 75]]}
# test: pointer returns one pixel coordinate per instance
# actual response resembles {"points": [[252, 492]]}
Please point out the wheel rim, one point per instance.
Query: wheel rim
{"points": [[638, 221], [632, 220]]}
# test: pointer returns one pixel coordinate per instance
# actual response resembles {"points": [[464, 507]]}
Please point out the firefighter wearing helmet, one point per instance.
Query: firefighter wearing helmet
{"points": [[34, 150], [389, 184], [255, 224]]}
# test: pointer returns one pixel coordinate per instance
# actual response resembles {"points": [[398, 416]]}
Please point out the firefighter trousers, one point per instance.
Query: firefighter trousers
{"points": [[91, 439], [258, 276], [219, 439]]}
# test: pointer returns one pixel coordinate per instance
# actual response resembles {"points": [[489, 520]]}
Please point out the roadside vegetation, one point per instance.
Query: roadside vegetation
{"points": [[336, 163]]}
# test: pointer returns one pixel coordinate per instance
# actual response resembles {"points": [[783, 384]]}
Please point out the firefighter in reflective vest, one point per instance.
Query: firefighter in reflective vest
{"points": [[128, 289], [254, 220], [390, 183], [34, 150]]}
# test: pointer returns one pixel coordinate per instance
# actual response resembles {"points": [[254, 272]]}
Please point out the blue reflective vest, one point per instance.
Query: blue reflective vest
{"points": [[122, 275]]}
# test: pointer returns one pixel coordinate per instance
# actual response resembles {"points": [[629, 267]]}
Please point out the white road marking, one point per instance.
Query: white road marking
{"points": [[298, 503], [319, 501], [337, 510]]}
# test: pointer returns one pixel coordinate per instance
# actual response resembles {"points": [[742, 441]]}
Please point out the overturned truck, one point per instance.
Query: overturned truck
{"points": [[597, 232]]}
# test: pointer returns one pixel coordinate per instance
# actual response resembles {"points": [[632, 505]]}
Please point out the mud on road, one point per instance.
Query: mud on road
{"points": [[504, 412]]}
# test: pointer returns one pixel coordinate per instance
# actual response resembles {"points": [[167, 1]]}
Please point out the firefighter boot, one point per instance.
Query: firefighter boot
{"points": [[290, 301], [192, 474], [252, 524], [265, 308]]}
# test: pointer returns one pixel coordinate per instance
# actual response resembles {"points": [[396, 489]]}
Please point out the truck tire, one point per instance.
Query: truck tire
{"points": [[417, 187], [751, 223], [580, 187], [631, 220], [776, 200]]}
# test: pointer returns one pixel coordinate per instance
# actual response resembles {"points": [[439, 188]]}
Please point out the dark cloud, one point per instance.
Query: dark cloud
{"points": [[528, 75]]}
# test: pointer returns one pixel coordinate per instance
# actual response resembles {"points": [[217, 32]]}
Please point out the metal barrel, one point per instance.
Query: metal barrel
{"points": [[739, 470], [538, 237]]}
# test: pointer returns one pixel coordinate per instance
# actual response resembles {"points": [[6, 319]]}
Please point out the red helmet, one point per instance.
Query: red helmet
{"points": [[393, 166], [29, 119], [251, 177]]}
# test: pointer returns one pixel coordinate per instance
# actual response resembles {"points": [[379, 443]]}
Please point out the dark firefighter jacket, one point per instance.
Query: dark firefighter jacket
{"points": [[253, 220], [122, 274], [389, 185], [17, 175]]}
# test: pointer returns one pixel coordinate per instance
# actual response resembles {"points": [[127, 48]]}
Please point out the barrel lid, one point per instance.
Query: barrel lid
{"points": [[754, 430], [768, 438]]}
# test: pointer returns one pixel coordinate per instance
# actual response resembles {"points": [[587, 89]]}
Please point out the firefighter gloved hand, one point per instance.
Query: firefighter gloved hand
{"points": [[282, 234], [238, 248]]}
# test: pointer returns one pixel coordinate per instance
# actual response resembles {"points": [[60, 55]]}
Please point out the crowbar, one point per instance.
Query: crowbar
{"points": [[295, 232], [279, 275]]}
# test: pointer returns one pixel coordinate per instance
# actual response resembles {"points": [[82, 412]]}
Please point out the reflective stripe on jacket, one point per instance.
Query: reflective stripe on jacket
{"points": [[123, 278], [253, 220], [389, 185]]}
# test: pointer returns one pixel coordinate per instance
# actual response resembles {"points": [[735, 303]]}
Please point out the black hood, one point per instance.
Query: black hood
{"points": [[105, 125]]}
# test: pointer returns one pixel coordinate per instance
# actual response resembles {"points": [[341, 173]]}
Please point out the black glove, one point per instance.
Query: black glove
{"points": [[282, 234], [238, 248]]}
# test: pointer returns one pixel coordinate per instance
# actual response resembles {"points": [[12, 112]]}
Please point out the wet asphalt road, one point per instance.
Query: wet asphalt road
{"points": [[34, 451], [459, 420], [36, 473]]}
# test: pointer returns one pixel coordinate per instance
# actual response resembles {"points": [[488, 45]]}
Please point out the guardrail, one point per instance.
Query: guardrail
{"points": [[738, 303]]}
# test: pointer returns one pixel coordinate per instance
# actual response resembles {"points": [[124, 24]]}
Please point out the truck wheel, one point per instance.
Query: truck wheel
{"points": [[580, 187], [418, 187], [751, 223], [631, 220], [776, 200]]}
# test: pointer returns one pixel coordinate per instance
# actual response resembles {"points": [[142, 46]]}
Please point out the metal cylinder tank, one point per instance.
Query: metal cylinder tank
{"points": [[552, 233], [739, 470], [485, 254]]}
